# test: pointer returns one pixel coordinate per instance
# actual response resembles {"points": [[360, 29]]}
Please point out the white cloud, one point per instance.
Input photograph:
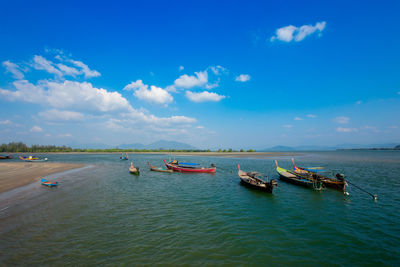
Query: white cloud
{"points": [[154, 95], [14, 69], [218, 70], [68, 70], [61, 115], [204, 96], [65, 135], [181, 68], [40, 63], [67, 94], [5, 122], [297, 34], [85, 69], [288, 126], [346, 130], [36, 129], [242, 78], [298, 119], [341, 119], [312, 116], [186, 81], [200, 127]]}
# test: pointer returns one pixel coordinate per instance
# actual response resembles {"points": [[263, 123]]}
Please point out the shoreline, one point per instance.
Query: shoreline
{"points": [[18, 174], [206, 154]]}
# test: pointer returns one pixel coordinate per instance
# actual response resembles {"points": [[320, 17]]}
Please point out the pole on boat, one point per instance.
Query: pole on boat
{"points": [[374, 197]]}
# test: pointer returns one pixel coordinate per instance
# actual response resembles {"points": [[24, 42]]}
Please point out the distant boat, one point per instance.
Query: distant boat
{"points": [[337, 183], [298, 179], [124, 157], [32, 159], [6, 157], [158, 169], [252, 179], [134, 170], [189, 167], [48, 183]]}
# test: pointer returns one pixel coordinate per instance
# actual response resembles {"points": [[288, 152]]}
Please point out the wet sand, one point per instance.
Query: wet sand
{"points": [[16, 174]]}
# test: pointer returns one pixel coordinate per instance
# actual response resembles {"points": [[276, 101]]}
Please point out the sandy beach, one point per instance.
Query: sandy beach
{"points": [[16, 174]]}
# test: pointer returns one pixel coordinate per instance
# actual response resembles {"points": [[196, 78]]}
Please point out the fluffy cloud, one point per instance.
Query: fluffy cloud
{"points": [[341, 119], [242, 78], [5, 122], [297, 34], [36, 129], [218, 70], [204, 96], [85, 69], [14, 69], [154, 95], [346, 130], [40, 63], [298, 119], [61, 115], [67, 94], [186, 81]]}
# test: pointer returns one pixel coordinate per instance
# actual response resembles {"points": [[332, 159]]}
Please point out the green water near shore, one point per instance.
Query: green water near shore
{"points": [[104, 215]]}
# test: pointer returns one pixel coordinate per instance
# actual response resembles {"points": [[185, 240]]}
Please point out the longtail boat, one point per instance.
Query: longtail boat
{"points": [[337, 183], [48, 183], [6, 157], [298, 179], [32, 159], [253, 180], [191, 168], [134, 170], [158, 169]]}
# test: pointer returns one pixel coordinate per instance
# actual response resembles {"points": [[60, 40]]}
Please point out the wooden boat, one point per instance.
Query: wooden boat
{"points": [[6, 157], [179, 167], [298, 179], [48, 183], [134, 170], [158, 169], [337, 183], [32, 159], [253, 180]]}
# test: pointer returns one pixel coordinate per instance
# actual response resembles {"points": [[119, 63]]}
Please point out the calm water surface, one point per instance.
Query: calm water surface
{"points": [[104, 215]]}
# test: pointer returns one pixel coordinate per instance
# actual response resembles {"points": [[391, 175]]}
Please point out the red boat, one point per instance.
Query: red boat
{"points": [[178, 168]]}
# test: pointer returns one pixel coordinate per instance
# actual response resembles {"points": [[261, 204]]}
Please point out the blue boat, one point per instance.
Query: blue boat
{"points": [[48, 183]]}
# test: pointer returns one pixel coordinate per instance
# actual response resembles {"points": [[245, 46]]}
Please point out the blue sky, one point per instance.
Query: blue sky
{"points": [[249, 74]]}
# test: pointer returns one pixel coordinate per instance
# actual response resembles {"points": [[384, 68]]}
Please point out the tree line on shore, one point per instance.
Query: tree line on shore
{"points": [[19, 147]]}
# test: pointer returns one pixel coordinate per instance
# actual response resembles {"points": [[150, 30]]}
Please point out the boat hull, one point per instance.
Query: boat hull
{"points": [[296, 179], [267, 188], [189, 170], [46, 182]]}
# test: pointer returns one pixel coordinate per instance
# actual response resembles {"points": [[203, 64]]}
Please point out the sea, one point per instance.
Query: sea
{"points": [[103, 215]]}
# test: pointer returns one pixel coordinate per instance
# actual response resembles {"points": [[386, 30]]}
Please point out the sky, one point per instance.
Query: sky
{"points": [[212, 74]]}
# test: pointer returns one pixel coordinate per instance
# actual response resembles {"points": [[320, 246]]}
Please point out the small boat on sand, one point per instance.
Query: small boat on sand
{"points": [[189, 167], [252, 179], [32, 159], [337, 183], [48, 183], [6, 157], [298, 179], [134, 170], [158, 169]]}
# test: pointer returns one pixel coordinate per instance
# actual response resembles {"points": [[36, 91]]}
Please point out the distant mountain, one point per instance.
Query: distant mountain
{"points": [[90, 146], [397, 147], [161, 144], [327, 148], [164, 144]]}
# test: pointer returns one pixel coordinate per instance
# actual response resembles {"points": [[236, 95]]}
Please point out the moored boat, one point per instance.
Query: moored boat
{"points": [[337, 183], [124, 157], [134, 170], [6, 157], [48, 183], [158, 169], [179, 167], [32, 159], [298, 179], [253, 180]]}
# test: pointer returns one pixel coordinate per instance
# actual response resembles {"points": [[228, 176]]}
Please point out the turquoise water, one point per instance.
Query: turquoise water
{"points": [[104, 215]]}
